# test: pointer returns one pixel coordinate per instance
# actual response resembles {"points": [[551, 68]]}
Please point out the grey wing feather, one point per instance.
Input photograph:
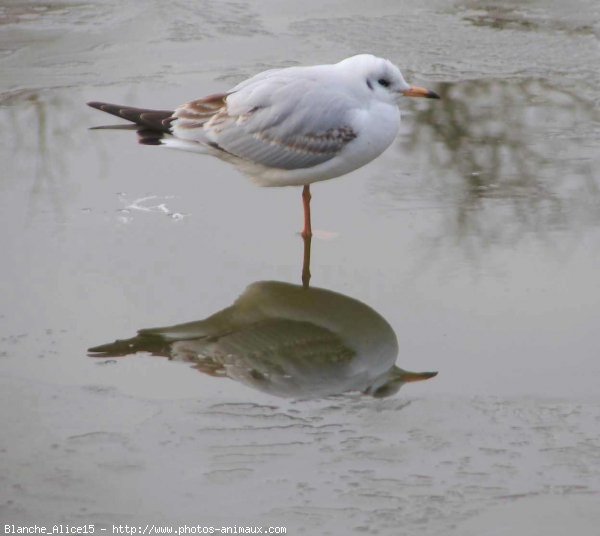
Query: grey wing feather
{"points": [[276, 149], [280, 120], [279, 356], [275, 346]]}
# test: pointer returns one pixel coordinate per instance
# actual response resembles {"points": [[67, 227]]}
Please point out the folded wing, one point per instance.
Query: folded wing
{"points": [[272, 121]]}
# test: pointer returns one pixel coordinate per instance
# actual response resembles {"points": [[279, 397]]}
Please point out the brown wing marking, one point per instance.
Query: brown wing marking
{"points": [[329, 142], [196, 113]]}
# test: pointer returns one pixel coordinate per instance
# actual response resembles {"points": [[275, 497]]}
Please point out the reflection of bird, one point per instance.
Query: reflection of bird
{"points": [[289, 127], [285, 340]]}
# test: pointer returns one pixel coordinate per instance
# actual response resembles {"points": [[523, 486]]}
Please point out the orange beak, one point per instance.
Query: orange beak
{"points": [[416, 91], [406, 376]]}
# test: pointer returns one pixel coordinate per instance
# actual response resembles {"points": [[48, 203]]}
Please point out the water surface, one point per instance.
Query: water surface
{"points": [[475, 237]]}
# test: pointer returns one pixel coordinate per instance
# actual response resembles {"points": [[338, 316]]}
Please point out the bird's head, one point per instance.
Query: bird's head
{"points": [[382, 78]]}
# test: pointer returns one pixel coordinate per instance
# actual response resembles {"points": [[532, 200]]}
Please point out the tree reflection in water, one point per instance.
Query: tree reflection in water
{"points": [[508, 158], [41, 132]]}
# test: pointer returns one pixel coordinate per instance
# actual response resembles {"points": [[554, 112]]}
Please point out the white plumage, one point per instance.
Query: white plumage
{"points": [[289, 127]]}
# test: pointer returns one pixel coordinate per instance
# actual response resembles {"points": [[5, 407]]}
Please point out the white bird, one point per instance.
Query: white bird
{"points": [[285, 340], [289, 127]]}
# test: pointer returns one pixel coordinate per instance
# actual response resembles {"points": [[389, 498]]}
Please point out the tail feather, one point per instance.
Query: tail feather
{"points": [[157, 120]]}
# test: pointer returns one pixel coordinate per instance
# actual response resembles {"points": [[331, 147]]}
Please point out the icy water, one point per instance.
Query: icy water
{"points": [[473, 244]]}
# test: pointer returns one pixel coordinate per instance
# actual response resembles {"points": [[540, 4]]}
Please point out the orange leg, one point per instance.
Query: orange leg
{"points": [[307, 231], [306, 262]]}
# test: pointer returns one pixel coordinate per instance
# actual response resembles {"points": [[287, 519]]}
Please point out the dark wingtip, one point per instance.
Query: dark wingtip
{"points": [[94, 104], [114, 349], [432, 95], [148, 136]]}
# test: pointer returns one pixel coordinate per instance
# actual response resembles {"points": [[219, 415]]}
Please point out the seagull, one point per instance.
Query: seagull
{"points": [[291, 126], [285, 340]]}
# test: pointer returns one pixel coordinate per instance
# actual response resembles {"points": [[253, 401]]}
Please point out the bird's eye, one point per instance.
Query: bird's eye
{"points": [[383, 82]]}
